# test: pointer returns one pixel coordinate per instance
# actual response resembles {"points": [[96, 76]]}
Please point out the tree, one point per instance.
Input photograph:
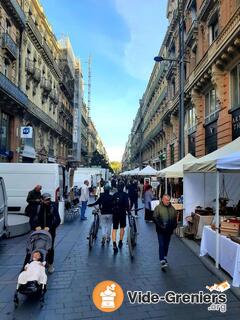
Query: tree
{"points": [[99, 160], [116, 166]]}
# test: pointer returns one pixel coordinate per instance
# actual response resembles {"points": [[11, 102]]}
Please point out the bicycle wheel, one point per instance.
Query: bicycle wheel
{"points": [[96, 226], [91, 236], [130, 244]]}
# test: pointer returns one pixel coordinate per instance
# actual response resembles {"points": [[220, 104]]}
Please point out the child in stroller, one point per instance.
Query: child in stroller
{"points": [[33, 279]]}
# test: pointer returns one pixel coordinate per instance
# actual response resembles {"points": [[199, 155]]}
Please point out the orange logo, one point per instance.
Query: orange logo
{"points": [[108, 296]]}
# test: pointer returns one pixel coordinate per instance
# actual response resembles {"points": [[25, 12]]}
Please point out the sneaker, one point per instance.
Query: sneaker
{"points": [[120, 244], [50, 268], [163, 264], [108, 239], [84, 218], [166, 262], [115, 248]]}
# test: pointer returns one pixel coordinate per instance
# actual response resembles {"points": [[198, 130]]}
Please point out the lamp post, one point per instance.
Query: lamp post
{"points": [[180, 60]]}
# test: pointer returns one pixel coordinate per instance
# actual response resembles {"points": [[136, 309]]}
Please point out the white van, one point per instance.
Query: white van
{"points": [[3, 208], [20, 178]]}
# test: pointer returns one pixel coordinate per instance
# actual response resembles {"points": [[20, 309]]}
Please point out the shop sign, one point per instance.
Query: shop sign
{"points": [[26, 132], [236, 124]]}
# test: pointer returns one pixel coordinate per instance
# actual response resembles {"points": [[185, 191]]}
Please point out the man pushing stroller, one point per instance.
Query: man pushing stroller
{"points": [[46, 218]]}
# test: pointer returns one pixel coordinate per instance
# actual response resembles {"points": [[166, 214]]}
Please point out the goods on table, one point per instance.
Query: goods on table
{"points": [[230, 227]]}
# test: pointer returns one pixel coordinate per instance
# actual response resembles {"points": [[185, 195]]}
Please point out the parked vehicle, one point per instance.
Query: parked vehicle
{"points": [[20, 178], [3, 208]]}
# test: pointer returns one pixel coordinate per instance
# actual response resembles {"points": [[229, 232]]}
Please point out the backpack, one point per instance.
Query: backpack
{"points": [[119, 203], [79, 192]]}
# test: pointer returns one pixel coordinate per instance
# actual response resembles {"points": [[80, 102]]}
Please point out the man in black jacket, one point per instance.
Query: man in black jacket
{"points": [[120, 209], [47, 218], [133, 196], [105, 202]]}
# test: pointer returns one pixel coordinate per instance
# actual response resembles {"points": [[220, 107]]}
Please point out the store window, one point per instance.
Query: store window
{"points": [[235, 87], [211, 106], [4, 131]]}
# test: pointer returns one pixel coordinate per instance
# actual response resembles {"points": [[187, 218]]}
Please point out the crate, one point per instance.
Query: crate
{"points": [[230, 228]]}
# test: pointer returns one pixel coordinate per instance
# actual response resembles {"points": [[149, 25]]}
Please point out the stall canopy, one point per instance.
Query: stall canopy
{"points": [[210, 162], [134, 172], [147, 171], [176, 170]]}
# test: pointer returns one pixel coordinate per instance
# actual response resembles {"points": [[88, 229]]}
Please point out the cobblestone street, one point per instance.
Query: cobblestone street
{"points": [[69, 294]]}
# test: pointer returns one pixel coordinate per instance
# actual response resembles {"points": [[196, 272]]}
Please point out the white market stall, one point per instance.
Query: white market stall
{"points": [[147, 171], [176, 169], [134, 172], [204, 180]]}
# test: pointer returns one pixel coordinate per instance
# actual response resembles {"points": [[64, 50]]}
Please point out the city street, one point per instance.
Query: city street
{"points": [[69, 294]]}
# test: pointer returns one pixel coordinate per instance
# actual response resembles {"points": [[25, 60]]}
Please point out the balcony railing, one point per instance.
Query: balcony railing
{"points": [[46, 85], [12, 90], [48, 55], [66, 134], [37, 75], [16, 11], [29, 66], [34, 31], [191, 33], [9, 45]]}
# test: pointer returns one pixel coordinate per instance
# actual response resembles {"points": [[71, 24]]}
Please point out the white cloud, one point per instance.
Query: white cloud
{"points": [[147, 25]]}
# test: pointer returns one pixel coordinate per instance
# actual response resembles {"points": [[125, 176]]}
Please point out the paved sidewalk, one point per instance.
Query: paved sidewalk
{"points": [[78, 271]]}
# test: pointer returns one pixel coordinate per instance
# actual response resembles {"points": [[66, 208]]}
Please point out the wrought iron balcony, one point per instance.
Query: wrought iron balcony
{"points": [[9, 88], [46, 85], [16, 12], [193, 31], [67, 87], [10, 46], [66, 134], [37, 75], [49, 57], [29, 66], [34, 32]]}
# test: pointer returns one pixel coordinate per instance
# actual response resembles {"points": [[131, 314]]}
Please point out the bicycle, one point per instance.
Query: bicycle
{"points": [[94, 228], [132, 233]]}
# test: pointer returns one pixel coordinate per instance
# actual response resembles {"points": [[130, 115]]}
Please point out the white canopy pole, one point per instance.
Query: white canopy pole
{"points": [[217, 220], [166, 191]]}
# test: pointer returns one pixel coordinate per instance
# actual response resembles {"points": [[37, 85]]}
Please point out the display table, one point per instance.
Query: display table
{"points": [[203, 221], [229, 253]]}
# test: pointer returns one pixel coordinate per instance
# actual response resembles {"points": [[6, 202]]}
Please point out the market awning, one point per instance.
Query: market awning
{"points": [[176, 170]]}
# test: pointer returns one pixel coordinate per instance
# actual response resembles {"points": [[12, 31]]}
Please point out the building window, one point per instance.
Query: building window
{"points": [[235, 87], [213, 31], [211, 106], [4, 131], [191, 119]]}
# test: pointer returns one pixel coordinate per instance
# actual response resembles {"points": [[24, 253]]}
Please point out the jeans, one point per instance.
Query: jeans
{"points": [[83, 209], [134, 201], [106, 225], [163, 241]]}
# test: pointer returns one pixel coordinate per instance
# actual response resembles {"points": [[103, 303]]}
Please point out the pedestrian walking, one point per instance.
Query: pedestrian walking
{"points": [[84, 197], [105, 202], [46, 218], [33, 199], [120, 208], [165, 218], [148, 197], [133, 196]]}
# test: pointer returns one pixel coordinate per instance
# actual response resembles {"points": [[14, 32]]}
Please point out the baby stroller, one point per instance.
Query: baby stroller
{"points": [[38, 241]]}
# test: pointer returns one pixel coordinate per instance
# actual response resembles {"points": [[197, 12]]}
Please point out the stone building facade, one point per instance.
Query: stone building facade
{"points": [[211, 91]]}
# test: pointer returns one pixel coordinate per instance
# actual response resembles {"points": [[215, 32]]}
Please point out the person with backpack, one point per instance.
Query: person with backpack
{"points": [[105, 202], [120, 209]]}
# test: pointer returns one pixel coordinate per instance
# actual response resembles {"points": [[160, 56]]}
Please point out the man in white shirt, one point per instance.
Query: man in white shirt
{"points": [[84, 199]]}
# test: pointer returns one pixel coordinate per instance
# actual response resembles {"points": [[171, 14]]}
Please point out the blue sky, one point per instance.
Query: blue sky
{"points": [[122, 36]]}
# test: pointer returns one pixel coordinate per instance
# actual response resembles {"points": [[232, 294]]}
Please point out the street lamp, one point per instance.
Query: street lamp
{"points": [[180, 60]]}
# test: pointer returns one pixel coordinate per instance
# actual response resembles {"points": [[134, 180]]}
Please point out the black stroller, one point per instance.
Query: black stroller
{"points": [[38, 241]]}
